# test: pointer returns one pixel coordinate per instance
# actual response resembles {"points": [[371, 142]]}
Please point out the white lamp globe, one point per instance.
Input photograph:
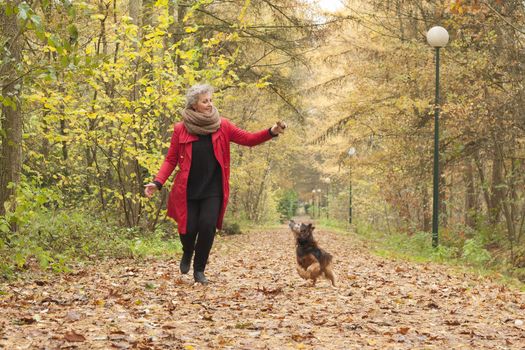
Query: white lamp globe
{"points": [[437, 37]]}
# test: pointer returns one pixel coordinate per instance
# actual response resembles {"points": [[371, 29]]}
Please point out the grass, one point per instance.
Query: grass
{"points": [[469, 258], [55, 241]]}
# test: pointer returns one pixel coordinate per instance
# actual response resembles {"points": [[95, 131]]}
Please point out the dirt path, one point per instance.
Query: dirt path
{"points": [[257, 301]]}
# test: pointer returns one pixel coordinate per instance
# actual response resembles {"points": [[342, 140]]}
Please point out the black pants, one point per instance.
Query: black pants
{"points": [[200, 230]]}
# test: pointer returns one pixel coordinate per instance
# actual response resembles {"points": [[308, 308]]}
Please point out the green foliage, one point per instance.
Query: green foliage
{"points": [[101, 115], [54, 239], [444, 253], [287, 205], [233, 228], [31, 199], [154, 245], [474, 252], [333, 224], [418, 247]]}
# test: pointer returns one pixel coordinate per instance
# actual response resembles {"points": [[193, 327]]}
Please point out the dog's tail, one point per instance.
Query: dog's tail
{"points": [[327, 263]]}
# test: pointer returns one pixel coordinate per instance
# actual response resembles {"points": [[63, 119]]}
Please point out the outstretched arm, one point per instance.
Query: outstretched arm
{"points": [[246, 138]]}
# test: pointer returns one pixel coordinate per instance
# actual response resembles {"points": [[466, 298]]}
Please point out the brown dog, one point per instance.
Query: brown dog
{"points": [[312, 261]]}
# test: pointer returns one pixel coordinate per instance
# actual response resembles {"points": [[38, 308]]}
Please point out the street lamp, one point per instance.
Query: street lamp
{"points": [[351, 153], [437, 37]]}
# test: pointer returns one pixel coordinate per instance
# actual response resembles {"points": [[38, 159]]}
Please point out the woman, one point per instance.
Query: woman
{"points": [[200, 146]]}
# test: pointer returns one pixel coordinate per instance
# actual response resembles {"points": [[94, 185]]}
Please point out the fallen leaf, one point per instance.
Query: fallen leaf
{"points": [[243, 325], [26, 320], [403, 330], [121, 345], [117, 335], [432, 305], [73, 316], [207, 316], [270, 291], [169, 326], [300, 337], [399, 338], [74, 337]]}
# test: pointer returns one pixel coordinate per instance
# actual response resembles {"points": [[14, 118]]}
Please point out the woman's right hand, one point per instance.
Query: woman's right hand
{"points": [[150, 189]]}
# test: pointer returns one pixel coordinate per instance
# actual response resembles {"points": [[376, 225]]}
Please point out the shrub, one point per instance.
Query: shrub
{"points": [[287, 205], [474, 252], [231, 228], [52, 239]]}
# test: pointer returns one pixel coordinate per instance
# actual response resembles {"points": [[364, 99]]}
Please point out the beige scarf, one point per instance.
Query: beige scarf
{"points": [[201, 123]]}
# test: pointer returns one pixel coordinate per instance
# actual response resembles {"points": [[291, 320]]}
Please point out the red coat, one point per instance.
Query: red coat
{"points": [[180, 152]]}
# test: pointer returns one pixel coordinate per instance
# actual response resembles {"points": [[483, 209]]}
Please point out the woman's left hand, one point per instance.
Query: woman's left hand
{"points": [[278, 128]]}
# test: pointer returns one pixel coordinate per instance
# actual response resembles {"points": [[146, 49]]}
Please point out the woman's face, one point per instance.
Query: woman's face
{"points": [[203, 104]]}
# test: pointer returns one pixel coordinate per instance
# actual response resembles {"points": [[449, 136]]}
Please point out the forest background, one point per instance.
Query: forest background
{"points": [[91, 89]]}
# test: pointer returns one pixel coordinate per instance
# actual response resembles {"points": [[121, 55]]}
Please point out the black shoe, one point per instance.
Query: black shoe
{"points": [[185, 263], [199, 277]]}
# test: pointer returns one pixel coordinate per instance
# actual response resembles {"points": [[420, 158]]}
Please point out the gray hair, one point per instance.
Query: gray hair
{"points": [[192, 95]]}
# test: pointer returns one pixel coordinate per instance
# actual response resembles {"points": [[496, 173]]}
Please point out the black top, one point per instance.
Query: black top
{"points": [[205, 179]]}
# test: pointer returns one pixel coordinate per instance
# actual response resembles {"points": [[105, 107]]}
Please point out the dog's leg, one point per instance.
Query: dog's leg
{"points": [[302, 272], [314, 270], [329, 274]]}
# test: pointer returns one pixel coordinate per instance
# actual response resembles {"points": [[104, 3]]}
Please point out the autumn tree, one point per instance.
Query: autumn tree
{"points": [[11, 85]]}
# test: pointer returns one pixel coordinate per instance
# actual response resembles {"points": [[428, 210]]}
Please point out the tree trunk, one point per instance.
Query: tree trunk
{"points": [[11, 117], [135, 12], [258, 199], [497, 186], [141, 15], [176, 29], [471, 205]]}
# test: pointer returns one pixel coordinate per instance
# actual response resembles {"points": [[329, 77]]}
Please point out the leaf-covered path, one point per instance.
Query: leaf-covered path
{"points": [[257, 301]]}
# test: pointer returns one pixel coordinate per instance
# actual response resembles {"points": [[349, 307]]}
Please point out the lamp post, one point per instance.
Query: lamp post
{"points": [[351, 154], [437, 37]]}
